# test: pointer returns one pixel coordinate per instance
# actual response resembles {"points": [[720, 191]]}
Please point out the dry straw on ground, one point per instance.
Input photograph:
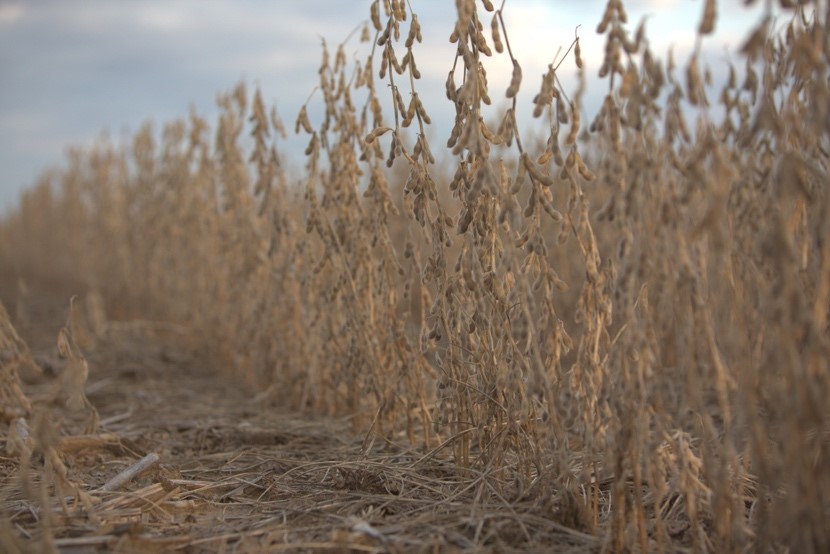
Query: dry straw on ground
{"points": [[613, 337]]}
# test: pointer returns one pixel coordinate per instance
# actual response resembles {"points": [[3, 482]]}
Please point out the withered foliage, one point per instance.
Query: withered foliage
{"points": [[631, 311]]}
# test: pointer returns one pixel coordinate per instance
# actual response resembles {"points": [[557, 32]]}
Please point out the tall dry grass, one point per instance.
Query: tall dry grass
{"points": [[626, 320]]}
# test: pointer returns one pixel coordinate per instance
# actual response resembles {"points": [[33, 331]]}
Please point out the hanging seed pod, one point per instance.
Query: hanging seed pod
{"points": [[707, 25], [515, 80], [488, 135], [384, 65], [583, 170], [693, 82], [371, 137], [393, 150], [383, 37], [578, 54], [414, 32], [313, 145], [561, 111], [570, 162], [606, 20], [621, 13], [630, 81], [393, 59], [302, 121], [419, 108], [399, 101], [455, 134], [549, 209], [531, 203], [414, 68], [452, 92], [410, 113], [481, 44], [428, 155], [494, 32], [375, 15], [505, 130], [575, 122], [520, 175], [537, 175]]}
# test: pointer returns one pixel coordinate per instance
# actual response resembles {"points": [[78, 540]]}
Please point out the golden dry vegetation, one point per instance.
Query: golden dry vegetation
{"points": [[610, 338]]}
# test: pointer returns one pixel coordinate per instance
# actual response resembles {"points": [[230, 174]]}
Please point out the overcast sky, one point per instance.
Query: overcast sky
{"points": [[70, 69]]}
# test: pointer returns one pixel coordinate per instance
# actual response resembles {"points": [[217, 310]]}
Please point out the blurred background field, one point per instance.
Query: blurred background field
{"points": [[580, 303]]}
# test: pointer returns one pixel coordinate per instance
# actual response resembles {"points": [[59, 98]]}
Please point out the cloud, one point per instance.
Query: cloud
{"points": [[20, 124], [658, 4], [72, 68], [10, 13]]}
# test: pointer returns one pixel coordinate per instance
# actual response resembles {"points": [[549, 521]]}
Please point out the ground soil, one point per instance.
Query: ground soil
{"points": [[235, 473]]}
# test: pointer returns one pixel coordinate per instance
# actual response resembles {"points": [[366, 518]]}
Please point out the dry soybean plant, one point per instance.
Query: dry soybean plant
{"points": [[625, 321]]}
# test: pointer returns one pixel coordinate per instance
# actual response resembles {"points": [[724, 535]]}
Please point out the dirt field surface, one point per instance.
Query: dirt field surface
{"points": [[225, 471]]}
